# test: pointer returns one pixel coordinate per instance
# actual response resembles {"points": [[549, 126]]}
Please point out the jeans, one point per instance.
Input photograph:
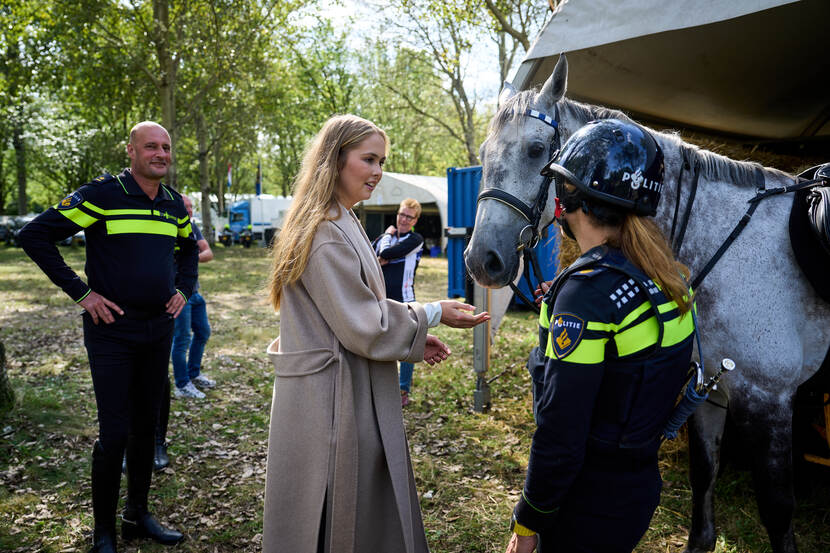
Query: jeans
{"points": [[405, 375], [193, 317]]}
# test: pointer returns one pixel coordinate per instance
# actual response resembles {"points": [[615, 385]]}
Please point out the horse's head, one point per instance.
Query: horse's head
{"points": [[519, 144]]}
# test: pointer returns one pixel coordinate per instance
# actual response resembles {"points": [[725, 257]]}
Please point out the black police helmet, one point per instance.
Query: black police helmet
{"points": [[614, 162]]}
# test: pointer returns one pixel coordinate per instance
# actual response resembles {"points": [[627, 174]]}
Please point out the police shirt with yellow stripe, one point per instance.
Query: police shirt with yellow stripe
{"points": [[603, 386], [130, 240]]}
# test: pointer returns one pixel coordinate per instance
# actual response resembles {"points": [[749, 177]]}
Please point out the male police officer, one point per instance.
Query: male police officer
{"points": [[132, 223]]}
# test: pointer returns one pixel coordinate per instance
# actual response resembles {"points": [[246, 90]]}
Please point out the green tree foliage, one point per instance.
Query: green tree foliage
{"points": [[404, 94], [234, 82], [25, 38]]}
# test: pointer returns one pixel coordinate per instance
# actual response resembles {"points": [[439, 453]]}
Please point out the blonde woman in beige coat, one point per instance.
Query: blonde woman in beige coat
{"points": [[339, 475]]}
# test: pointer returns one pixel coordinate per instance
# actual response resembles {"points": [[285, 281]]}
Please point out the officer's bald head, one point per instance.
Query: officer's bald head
{"points": [[139, 129]]}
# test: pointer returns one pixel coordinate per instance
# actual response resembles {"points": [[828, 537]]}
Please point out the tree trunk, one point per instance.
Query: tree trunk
{"points": [[167, 81], [20, 155], [204, 177], [3, 190], [220, 182], [6, 391]]}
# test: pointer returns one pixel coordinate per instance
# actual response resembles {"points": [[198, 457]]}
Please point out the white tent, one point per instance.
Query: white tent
{"points": [[395, 187], [752, 68]]}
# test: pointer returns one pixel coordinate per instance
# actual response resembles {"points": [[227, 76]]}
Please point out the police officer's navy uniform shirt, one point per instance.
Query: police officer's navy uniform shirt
{"points": [[600, 386], [403, 253], [130, 241]]}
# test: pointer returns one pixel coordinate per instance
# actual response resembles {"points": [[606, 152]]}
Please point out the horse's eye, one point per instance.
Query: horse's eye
{"points": [[535, 149]]}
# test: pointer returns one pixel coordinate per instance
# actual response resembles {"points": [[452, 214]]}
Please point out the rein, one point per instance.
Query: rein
{"points": [[531, 234], [761, 193]]}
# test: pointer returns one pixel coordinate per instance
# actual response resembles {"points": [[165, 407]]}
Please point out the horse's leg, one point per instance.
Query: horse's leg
{"points": [[705, 433], [769, 439]]}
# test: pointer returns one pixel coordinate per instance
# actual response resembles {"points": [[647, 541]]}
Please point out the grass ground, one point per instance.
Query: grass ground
{"points": [[469, 466]]}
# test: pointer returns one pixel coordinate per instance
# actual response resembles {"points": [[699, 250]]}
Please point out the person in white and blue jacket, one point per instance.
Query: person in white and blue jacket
{"points": [[399, 252]]}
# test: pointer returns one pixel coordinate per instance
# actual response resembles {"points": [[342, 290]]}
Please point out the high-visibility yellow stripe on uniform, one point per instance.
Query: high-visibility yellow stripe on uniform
{"points": [[587, 352], [544, 318], [140, 226], [678, 329], [185, 231], [78, 217], [645, 334], [638, 337]]}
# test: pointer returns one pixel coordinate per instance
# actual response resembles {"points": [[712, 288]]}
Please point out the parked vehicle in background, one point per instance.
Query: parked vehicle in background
{"points": [[77, 239], [263, 213], [14, 227], [4, 229]]}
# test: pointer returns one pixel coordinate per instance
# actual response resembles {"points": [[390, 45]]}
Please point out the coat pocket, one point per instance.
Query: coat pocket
{"points": [[300, 363]]}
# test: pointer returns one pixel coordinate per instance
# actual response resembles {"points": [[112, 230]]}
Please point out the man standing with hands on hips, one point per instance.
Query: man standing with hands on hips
{"points": [[135, 290]]}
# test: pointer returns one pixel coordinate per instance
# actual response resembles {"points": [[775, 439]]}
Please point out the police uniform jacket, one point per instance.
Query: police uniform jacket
{"points": [[605, 377], [130, 242], [337, 442]]}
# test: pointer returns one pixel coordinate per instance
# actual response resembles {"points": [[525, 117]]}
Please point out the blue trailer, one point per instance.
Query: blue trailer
{"points": [[462, 193]]}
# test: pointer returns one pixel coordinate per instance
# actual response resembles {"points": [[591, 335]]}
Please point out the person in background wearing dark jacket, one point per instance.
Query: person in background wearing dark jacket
{"points": [[135, 290], [187, 351], [399, 252], [615, 342]]}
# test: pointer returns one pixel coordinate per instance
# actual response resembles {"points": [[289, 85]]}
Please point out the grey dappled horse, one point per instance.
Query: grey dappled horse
{"points": [[754, 307]]}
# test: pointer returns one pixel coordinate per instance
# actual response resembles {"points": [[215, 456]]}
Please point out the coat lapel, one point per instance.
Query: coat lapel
{"points": [[370, 267]]}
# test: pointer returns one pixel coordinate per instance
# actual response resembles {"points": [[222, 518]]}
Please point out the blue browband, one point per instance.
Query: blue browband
{"points": [[542, 117]]}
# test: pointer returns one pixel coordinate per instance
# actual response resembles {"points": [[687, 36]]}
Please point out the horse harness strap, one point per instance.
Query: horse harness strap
{"points": [[761, 193], [693, 165], [530, 235]]}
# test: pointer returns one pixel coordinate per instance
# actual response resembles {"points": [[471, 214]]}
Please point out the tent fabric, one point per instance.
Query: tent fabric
{"points": [[584, 24], [395, 187], [751, 68]]}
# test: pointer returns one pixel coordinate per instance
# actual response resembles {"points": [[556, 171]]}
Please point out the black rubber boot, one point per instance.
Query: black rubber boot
{"points": [[137, 522], [106, 480], [161, 460], [144, 525]]}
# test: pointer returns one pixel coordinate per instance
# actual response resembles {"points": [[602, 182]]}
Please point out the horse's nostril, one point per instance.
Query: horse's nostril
{"points": [[493, 264]]}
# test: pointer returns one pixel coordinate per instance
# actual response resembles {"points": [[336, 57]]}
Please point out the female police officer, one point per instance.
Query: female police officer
{"points": [[614, 349]]}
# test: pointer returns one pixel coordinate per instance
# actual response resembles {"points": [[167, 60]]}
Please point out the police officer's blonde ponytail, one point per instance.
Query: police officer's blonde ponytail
{"points": [[314, 197], [643, 243]]}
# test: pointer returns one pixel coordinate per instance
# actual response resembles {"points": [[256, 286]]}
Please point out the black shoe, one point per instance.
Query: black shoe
{"points": [[160, 459], [148, 527], [103, 543]]}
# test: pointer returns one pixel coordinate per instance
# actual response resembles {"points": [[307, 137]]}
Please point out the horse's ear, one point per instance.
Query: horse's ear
{"points": [[554, 88], [507, 91]]}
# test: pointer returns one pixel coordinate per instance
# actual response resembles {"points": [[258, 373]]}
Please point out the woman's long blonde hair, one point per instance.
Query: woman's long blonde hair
{"points": [[643, 243], [315, 195]]}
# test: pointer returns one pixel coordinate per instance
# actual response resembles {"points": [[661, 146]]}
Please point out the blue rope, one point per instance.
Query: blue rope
{"points": [[684, 409]]}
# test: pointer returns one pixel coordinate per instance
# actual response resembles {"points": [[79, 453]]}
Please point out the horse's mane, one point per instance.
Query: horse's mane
{"points": [[712, 165]]}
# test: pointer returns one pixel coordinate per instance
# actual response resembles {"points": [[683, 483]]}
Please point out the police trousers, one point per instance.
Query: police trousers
{"points": [[607, 510], [128, 360]]}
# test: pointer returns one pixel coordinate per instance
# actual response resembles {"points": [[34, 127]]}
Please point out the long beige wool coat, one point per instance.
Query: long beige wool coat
{"points": [[337, 452]]}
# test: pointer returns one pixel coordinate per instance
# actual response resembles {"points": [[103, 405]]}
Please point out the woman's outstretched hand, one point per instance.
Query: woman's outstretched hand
{"points": [[459, 315], [435, 350]]}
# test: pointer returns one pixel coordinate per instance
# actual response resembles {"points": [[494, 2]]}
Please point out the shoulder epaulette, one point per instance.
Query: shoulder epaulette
{"points": [[106, 177], [589, 272]]}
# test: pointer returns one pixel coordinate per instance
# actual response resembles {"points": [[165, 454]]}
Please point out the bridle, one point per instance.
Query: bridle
{"points": [[531, 234]]}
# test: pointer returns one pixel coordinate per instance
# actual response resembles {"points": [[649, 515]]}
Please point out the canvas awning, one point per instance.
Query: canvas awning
{"points": [[752, 68], [395, 187]]}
